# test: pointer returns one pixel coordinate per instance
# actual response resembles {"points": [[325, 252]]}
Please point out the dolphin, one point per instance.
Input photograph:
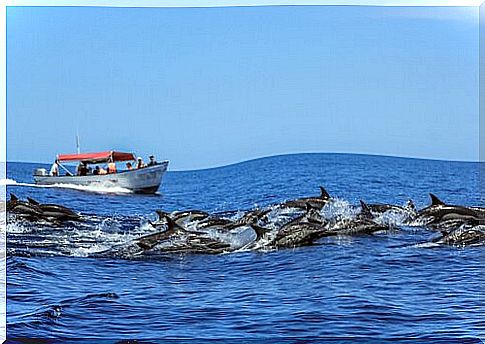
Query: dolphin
{"points": [[382, 208], [293, 235], [145, 243], [372, 211], [355, 226], [183, 217], [311, 216], [55, 211], [149, 241], [463, 235], [299, 234], [27, 210], [252, 216], [12, 202], [439, 211], [16, 206], [365, 211], [214, 222], [301, 231], [195, 244], [315, 202], [161, 222]]}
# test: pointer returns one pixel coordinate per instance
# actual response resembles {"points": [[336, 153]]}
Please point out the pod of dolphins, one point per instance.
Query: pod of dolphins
{"points": [[290, 224]]}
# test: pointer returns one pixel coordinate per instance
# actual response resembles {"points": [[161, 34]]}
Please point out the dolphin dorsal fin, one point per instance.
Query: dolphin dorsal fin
{"points": [[323, 193], [170, 222], [435, 200], [173, 226], [161, 214], [260, 231], [365, 209], [13, 198], [32, 201]]}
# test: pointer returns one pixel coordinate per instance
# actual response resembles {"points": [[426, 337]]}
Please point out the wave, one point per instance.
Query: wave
{"points": [[77, 240], [50, 313], [99, 188]]}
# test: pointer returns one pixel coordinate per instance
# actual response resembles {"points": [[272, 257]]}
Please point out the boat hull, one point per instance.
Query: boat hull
{"points": [[144, 180]]}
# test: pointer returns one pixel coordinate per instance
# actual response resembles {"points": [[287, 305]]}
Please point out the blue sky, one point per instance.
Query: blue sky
{"points": [[205, 87]]}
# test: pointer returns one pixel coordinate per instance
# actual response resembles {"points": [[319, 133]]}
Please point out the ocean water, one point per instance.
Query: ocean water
{"points": [[385, 286]]}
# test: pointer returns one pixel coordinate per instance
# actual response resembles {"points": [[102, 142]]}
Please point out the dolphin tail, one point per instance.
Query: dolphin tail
{"points": [[32, 201], [365, 210], [323, 193], [435, 200]]}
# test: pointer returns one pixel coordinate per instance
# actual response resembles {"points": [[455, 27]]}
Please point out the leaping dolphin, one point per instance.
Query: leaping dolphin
{"points": [[439, 212], [370, 211], [58, 212], [382, 207], [149, 241], [22, 208], [315, 202]]}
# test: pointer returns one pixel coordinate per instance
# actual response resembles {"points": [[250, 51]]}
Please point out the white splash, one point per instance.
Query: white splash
{"points": [[339, 208], [392, 218]]}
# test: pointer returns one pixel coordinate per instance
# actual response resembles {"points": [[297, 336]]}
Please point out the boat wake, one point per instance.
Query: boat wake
{"points": [[105, 188]]}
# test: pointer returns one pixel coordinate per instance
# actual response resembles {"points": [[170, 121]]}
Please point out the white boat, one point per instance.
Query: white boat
{"points": [[146, 179]]}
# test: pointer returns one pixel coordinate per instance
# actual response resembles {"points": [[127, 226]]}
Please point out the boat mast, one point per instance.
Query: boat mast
{"points": [[78, 145]]}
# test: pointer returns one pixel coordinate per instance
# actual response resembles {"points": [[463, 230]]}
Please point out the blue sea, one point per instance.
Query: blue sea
{"points": [[386, 286]]}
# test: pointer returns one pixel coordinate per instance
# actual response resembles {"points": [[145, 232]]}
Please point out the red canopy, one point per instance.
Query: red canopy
{"points": [[97, 157]]}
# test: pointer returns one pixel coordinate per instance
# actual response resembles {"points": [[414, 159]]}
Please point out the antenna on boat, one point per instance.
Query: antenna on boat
{"points": [[78, 145]]}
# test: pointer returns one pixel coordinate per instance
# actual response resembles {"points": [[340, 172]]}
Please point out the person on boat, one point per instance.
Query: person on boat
{"points": [[152, 161], [102, 171], [82, 169], [129, 166], [54, 169], [111, 167], [79, 168], [140, 163], [96, 170]]}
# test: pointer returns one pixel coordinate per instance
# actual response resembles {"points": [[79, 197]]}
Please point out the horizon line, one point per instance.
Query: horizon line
{"points": [[289, 154]]}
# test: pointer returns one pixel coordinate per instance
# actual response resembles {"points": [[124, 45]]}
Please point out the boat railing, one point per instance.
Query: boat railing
{"points": [[71, 174]]}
